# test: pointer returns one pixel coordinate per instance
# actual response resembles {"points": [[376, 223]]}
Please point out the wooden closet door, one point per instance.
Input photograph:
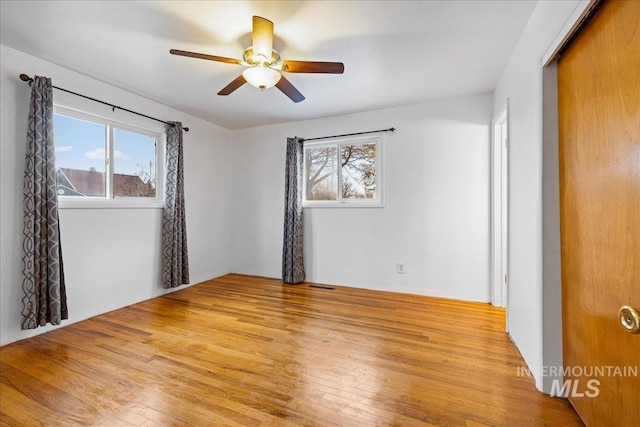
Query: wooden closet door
{"points": [[599, 121]]}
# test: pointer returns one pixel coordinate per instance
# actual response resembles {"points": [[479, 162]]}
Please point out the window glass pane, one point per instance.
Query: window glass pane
{"points": [[80, 157], [358, 164], [134, 164], [321, 173]]}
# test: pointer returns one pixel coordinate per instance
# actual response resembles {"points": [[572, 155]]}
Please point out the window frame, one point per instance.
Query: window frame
{"points": [[376, 202], [109, 201]]}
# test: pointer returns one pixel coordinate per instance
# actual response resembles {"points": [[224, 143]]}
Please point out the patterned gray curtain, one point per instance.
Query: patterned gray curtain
{"points": [[175, 260], [292, 256], [45, 297]]}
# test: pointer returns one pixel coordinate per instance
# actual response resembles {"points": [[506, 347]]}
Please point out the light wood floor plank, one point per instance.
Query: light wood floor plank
{"points": [[249, 351]]}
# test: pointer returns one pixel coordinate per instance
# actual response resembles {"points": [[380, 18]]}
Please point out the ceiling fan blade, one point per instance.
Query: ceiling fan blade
{"points": [[204, 56], [239, 81], [290, 90], [313, 67], [262, 37]]}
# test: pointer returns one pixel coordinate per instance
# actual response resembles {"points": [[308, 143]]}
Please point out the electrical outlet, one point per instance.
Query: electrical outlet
{"points": [[400, 267]]}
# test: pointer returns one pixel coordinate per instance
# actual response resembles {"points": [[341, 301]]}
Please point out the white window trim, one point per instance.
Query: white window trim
{"points": [[109, 202], [377, 202]]}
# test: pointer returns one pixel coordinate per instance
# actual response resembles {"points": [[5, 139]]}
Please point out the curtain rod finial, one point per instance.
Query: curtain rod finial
{"points": [[25, 78], [184, 128]]}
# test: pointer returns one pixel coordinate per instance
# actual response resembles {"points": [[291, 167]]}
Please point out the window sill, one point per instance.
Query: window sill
{"points": [[109, 204], [344, 204]]}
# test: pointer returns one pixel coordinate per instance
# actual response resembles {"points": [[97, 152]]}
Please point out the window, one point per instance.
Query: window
{"points": [[347, 172], [99, 160]]}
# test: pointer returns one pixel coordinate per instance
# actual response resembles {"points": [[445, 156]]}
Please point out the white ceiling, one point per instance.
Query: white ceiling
{"points": [[395, 52]]}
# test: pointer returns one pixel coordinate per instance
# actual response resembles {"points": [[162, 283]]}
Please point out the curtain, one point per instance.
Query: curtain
{"points": [[292, 256], [175, 260], [45, 297]]}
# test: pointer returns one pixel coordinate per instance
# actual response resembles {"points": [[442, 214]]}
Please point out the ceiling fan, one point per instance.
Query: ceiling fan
{"points": [[264, 64]]}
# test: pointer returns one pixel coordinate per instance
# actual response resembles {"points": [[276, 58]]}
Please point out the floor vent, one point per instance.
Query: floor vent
{"points": [[321, 287]]}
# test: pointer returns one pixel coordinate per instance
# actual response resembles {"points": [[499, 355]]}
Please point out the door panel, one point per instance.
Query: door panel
{"points": [[599, 124]]}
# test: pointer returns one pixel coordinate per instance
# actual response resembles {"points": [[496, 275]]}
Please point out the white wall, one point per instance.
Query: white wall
{"points": [[532, 310], [436, 214], [111, 256]]}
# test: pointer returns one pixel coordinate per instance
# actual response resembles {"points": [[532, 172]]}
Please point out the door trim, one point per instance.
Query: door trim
{"points": [[581, 14], [499, 208]]}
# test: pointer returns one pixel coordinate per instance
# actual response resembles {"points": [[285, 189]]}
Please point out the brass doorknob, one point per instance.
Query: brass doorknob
{"points": [[630, 319]]}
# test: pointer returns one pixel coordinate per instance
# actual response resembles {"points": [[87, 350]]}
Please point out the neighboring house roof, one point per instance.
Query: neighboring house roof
{"points": [[78, 182]]}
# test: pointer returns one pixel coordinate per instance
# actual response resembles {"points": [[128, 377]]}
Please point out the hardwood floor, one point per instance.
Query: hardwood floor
{"points": [[248, 351]]}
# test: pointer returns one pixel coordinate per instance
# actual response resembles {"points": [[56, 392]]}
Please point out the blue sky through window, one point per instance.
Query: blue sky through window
{"points": [[133, 153], [81, 145]]}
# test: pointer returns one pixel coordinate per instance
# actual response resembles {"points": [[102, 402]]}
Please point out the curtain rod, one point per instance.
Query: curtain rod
{"points": [[349, 134], [26, 78]]}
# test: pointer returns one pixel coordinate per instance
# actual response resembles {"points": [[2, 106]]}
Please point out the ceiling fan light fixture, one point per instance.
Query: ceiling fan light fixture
{"points": [[264, 64], [261, 77]]}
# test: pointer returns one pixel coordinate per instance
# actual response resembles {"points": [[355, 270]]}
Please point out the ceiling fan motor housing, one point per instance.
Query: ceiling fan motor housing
{"points": [[251, 59]]}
